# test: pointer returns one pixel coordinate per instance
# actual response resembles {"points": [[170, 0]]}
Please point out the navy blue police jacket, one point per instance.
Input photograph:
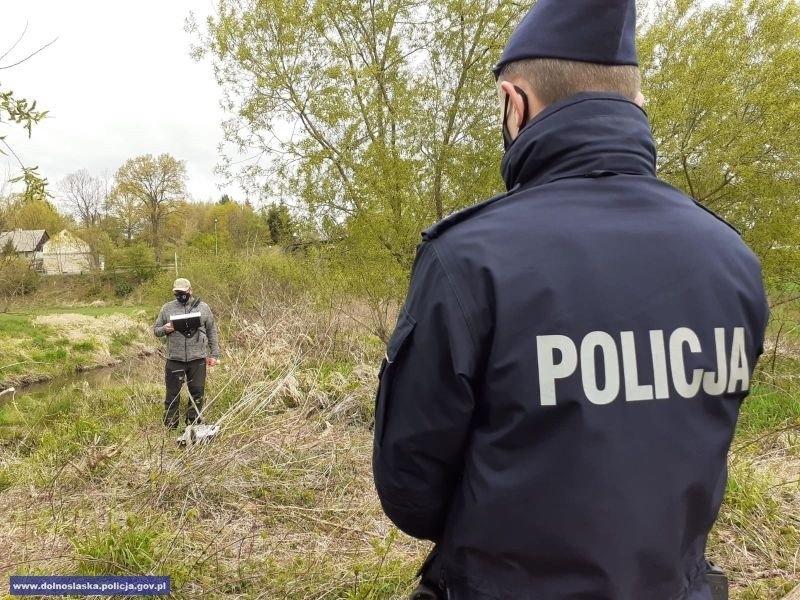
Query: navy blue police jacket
{"points": [[559, 396]]}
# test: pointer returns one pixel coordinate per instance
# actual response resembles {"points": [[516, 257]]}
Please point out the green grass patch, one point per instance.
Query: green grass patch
{"points": [[369, 576], [120, 341], [85, 346], [139, 545], [6, 480], [15, 325], [768, 409], [34, 410], [35, 352]]}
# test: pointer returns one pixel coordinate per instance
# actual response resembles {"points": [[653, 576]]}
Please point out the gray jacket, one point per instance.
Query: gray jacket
{"points": [[184, 349]]}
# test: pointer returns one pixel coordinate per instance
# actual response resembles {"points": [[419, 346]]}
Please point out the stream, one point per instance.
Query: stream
{"points": [[147, 369]]}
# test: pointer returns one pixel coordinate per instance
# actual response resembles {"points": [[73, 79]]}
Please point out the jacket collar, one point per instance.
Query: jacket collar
{"points": [[586, 135]]}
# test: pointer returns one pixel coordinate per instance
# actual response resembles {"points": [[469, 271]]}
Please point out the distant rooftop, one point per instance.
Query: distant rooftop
{"points": [[24, 240]]}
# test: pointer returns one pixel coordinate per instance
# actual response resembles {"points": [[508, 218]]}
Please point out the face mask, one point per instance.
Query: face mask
{"points": [[507, 139], [182, 297]]}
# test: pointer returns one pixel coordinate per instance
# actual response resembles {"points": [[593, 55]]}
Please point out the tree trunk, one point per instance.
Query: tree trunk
{"points": [[156, 240]]}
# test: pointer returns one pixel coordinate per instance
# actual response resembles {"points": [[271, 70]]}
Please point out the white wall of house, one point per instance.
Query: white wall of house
{"points": [[64, 254]]}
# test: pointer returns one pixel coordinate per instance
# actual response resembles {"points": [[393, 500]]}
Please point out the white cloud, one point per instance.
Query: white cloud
{"points": [[118, 82]]}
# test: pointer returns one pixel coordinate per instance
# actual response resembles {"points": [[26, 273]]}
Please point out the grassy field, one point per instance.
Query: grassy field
{"points": [[46, 341], [282, 505]]}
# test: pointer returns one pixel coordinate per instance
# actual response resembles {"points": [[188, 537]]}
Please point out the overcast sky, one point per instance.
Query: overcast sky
{"points": [[118, 82]]}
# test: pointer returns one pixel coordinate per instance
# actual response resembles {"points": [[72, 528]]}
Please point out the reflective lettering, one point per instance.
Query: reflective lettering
{"points": [[658, 348], [633, 390], [549, 370], [680, 337], [602, 340], [740, 370], [714, 384]]}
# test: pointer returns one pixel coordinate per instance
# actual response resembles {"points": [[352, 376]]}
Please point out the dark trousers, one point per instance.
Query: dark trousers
{"points": [[175, 374]]}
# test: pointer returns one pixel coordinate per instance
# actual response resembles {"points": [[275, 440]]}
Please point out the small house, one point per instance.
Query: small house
{"points": [[67, 254], [25, 243]]}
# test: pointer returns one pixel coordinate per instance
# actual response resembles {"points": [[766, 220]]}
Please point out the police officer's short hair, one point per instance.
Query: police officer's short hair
{"points": [[553, 80]]}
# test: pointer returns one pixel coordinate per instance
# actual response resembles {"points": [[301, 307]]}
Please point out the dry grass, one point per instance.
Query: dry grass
{"points": [[282, 504]]}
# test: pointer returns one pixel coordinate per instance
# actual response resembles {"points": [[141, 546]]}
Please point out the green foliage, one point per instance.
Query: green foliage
{"points": [[124, 219], [721, 86], [128, 267], [25, 213], [100, 244], [412, 136], [280, 223], [17, 278], [155, 184], [23, 112]]}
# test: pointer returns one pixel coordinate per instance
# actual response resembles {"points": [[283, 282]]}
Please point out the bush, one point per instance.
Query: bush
{"points": [[122, 287], [17, 278], [127, 268]]}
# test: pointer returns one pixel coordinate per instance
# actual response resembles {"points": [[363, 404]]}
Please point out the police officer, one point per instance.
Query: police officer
{"points": [[558, 398]]}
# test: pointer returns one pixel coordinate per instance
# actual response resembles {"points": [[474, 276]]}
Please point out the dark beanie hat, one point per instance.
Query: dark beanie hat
{"points": [[594, 31]]}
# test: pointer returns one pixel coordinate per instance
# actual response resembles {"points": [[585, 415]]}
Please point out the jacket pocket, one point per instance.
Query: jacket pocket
{"points": [[399, 339]]}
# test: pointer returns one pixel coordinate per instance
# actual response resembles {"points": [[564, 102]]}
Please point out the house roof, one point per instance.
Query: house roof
{"points": [[65, 241], [24, 240]]}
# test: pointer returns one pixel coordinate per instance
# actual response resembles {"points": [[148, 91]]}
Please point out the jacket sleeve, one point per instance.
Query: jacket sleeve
{"points": [[212, 334], [425, 402], [163, 319]]}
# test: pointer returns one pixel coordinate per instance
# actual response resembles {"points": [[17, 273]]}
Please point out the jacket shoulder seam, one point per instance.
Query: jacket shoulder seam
{"points": [[454, 288]]}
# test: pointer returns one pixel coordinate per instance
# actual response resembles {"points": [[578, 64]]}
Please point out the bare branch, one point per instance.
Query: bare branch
{"points": [[31, 55], [15, 44]]}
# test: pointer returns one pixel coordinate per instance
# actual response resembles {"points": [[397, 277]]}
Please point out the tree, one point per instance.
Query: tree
{"points": [[100, 244], [280, 223], [395, 121], [130, 266], [17, 276], [125, 217], [392, 100], [156, 184], [84, 195], [723, 82], [26, 213]]}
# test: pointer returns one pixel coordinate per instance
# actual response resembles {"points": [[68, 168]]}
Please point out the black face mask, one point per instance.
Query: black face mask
{"points": [[507, 139], [182, 297]]}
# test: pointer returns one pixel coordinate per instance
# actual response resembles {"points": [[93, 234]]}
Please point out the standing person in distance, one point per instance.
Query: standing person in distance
{"points": [[560, 393], [188, 353]]}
